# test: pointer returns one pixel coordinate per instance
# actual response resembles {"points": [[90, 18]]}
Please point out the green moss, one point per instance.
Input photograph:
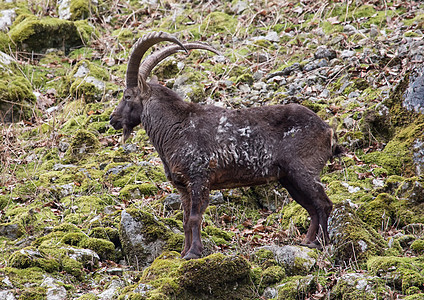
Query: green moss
{"points": [[418, 246], [30, 257], [73, 238], [80, 9], [219, 236], [396, 157], [105, 249], [272, 275], [88, 296], [218, 22], [106, 233], [294, 214], [356, 238], [73, 267], [379, 212], [132, 191]]}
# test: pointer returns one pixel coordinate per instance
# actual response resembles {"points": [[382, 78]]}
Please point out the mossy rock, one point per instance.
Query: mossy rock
{"points": [[30, 257], [296, 287], [83, 144], [106, 233], [351, 286], [144, 237], [397, 157], [132, 191], [17, 101], [217, 273], [38, 35], [418, 246], [351, 237], [87, 80], [401, 273]]}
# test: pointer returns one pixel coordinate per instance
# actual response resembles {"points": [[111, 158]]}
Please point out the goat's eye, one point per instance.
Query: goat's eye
{"points": [[127, 98]]}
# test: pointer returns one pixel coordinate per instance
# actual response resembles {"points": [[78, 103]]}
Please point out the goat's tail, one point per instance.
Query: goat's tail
{"points": [[336, 149]]}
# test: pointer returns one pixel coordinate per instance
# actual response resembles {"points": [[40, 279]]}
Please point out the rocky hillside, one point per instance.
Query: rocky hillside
{"points": [[85, 217]]}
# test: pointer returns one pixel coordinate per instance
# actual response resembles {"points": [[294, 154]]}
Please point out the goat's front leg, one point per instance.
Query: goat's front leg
{"points": [[185, 200], [199, 195]]}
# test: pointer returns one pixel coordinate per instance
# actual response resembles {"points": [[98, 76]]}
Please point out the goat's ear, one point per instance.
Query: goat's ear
{"points": [[154, 80], [143, 87]]}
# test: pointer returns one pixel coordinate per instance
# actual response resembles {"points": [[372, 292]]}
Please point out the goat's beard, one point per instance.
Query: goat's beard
{"points": [[127, 132]]}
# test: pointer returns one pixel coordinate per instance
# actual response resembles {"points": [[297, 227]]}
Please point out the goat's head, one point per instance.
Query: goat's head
{"points": [[127, 114]]}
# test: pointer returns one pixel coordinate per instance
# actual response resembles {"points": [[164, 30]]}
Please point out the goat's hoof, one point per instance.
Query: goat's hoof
{"points": [[190, 255], [312, 245]]}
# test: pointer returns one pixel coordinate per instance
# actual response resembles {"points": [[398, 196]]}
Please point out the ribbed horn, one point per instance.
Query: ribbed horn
{"points": [[138, 51], [155, 58]]}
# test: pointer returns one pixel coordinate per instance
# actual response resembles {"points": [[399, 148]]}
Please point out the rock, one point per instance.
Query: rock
{"points": [[38, 35], [324, 52], [7, 17], [319, 63], [5, 59], [297, 287], [55, 291], [296, 260], [414, 95], [144, 237], [172, 202], [350, 237], [350, 29], [10, 230], [347, 54], [239, 7], [112, 291], [7, 295], [87, 257], [272, 36], [357, 285], [75, 10], [270, 293]]}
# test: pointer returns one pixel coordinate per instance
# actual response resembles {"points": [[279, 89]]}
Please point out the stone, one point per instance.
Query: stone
{"points": [[112, 291], [324, 52], [347, 54], [144, 237], [172, 201], [414, 95], [10, 230], [55, 291], [7, 295], [7, 17], [296, 260]]}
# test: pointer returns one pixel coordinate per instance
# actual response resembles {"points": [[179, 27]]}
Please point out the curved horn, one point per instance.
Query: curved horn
{"points": [[154, 59], [139, 49]]}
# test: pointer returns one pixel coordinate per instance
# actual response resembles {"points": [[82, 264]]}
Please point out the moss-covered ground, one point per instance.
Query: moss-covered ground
{"points": [[65, 178]]}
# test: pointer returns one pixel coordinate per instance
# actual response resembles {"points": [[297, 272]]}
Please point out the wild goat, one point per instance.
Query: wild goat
{"points": [[206, 147]]}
